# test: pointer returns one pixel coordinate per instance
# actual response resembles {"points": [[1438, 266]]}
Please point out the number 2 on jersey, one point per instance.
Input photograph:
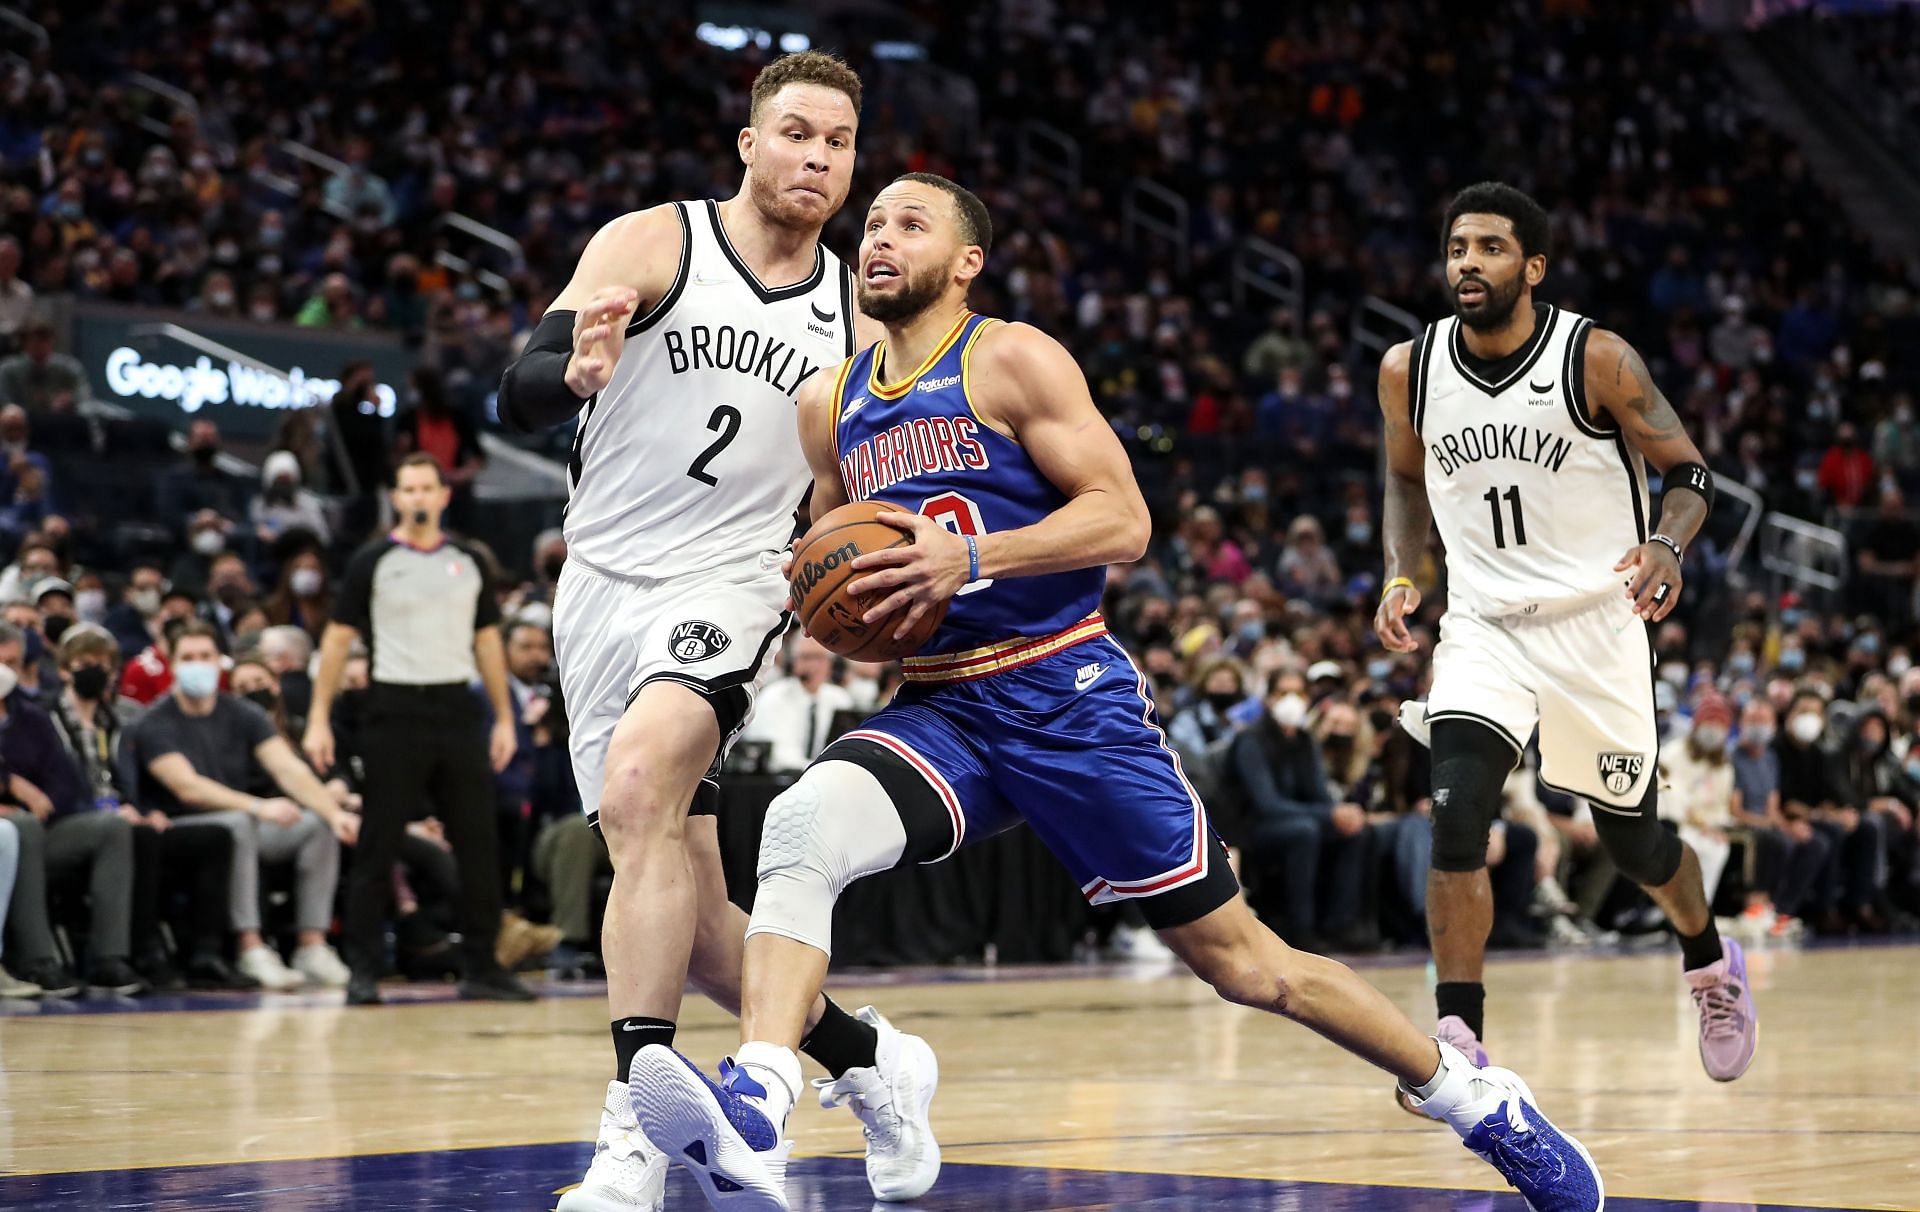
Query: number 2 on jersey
{"points": [[960, 515], [1512, 497], [725, 420]]}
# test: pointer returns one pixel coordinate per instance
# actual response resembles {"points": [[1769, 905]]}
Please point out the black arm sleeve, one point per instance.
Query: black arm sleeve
{"points": [[533, 393]]}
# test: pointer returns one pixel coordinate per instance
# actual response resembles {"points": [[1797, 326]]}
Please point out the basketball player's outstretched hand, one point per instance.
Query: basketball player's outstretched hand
{"points": [[599, 333], [1390, 620], [922, 574], [1656, 580]]}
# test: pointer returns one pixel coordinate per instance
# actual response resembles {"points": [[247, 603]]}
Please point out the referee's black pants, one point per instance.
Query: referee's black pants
{"points": [[423, 750]]}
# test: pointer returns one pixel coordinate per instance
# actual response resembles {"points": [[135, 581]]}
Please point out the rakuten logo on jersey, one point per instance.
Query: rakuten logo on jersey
{"points": [[939, 384]]}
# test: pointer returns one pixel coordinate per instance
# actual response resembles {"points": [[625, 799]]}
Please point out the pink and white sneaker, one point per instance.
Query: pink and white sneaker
{"points": [[1729, 1024], [1450, 1030]]}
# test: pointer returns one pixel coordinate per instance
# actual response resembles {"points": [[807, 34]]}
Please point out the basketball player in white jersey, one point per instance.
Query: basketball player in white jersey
{"points": [[1523, 432], [683, 335]]}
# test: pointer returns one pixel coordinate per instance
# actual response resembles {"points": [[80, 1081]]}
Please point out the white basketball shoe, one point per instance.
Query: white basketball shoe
{"points": [[892, 1100], [627, 1173]]}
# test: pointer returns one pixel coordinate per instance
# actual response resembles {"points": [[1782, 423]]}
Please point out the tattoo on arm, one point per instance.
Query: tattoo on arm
{"points": [[1652, 417], [1405, 521]]}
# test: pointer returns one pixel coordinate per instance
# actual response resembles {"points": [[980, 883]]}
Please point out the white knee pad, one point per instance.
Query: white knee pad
{"points": [[827, 830]]}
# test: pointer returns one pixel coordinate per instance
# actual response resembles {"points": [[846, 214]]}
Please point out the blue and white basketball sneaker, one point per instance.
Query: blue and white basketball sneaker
{"points": [[1552, 1171], [716, 1131]]}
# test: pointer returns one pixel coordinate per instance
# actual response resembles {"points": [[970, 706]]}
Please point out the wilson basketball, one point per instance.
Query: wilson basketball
{"points": [[822, 568]]}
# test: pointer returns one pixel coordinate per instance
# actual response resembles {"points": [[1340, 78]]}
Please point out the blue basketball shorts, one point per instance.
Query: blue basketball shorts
{"points": [[1069, 743]]}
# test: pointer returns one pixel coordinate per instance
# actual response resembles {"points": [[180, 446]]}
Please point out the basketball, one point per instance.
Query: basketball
{"points": [[822, 568]]}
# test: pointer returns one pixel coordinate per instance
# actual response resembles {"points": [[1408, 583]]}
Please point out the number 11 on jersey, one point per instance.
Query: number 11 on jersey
{"points": [[1512, 497]]}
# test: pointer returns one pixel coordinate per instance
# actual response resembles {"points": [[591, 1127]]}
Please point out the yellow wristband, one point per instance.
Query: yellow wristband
{"points": [[1394, 584]]}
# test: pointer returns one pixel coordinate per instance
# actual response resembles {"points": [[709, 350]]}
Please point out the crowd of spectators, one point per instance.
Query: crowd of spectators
{"points": [[1332, 131]]}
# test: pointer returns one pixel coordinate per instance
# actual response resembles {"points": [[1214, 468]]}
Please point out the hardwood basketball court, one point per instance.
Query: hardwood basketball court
{"points": [[1061, 1088]]}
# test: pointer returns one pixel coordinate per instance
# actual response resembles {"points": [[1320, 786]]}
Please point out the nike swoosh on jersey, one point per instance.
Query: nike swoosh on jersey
{"points": [[1088, 675]]}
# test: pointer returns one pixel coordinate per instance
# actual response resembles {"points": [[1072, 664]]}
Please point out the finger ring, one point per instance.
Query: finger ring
{"points": [[1660, 594]]}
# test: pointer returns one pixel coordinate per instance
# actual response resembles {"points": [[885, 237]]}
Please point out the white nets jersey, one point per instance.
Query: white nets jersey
{"points": [[1534, 499], [690, 459]]}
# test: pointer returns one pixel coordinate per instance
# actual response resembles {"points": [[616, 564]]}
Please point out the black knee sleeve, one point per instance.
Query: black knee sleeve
{"points": [[1645, 852], [1470, 764]]}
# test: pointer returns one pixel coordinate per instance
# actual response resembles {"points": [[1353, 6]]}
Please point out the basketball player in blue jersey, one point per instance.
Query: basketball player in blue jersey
{"points": [[1017, 495]]}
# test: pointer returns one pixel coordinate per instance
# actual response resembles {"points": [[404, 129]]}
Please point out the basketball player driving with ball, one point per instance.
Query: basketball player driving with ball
{"points": [[1523, 432], [1017, 494], [683, 335]]}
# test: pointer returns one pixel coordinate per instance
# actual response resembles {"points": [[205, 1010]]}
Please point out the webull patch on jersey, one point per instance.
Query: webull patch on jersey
{"points": [[1619, 771], [694, 641]]}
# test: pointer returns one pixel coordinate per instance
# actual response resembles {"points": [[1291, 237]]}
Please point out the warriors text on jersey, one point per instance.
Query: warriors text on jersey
{"points": [[1534, 498], [916, 443], [690, 458]]}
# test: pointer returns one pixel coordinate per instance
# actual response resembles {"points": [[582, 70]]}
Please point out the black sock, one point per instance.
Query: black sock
{"points": [[1466, 999], [1702, 949], [632, 1034], [841, 1042]]}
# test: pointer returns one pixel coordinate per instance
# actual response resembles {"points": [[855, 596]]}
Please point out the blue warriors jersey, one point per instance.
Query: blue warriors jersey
{"points": [[916, 443]]}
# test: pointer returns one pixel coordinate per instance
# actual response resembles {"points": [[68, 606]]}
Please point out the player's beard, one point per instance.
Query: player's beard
{"points": [[921, 291], [778, 207], [1494, 311]]}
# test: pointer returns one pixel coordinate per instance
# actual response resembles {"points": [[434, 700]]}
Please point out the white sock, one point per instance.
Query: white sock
{"points": [[778, 1069], [1456, 1094]]}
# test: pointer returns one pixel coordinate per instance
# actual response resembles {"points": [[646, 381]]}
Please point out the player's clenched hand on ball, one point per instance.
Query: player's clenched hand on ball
{"points": [[924, 573], [599, 334]]}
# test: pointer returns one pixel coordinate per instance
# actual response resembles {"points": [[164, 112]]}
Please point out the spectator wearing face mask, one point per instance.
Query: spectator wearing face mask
{"points": [[1887, 797], [37, 561], [303, 598], [59, 840], [1698, 794], [207, 536], [148, 676], [23, 649], [1299, 837], [1813, 788], [196, 755], [284, 508], [230, 593], [1786, 855], [193, 861], [286, 651], [1887, 560], [199, 485]]}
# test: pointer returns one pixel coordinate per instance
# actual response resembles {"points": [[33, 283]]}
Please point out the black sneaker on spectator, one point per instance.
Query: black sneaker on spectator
{"points": [[53, 978], [116, 976], [363, 989], [159, 973], [495, 985], [211, 972]]}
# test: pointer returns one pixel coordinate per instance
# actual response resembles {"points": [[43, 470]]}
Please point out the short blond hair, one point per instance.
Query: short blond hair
{"points": [[823, 68]]}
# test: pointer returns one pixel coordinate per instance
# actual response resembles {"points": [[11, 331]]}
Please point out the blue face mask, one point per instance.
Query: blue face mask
{"points": [[197, 679], [1740, 664], [1252, 632], [1793, 660], [1380, 668]]}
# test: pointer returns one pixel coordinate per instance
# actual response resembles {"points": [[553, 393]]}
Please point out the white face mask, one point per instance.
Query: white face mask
{"points": [[1290, 710], [209, 542], [8, 680], [1807, 727], [305, 582], [90, 604], [1898, 664]]}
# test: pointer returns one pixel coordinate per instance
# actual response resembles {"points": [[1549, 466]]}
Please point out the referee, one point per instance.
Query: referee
{"points": [[429, 618]]}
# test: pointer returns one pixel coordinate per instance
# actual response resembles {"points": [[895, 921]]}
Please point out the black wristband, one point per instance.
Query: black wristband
{"points": [[533, 393], [1671, 544], [1690, 477]]}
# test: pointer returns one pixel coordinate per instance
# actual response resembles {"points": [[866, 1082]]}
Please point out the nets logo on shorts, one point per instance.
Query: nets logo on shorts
{"points": [[1619, 771], [694, 641]]}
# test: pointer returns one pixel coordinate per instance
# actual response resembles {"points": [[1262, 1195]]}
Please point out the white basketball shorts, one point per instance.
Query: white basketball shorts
{"points": [[713, 631], [1584, 675]]}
